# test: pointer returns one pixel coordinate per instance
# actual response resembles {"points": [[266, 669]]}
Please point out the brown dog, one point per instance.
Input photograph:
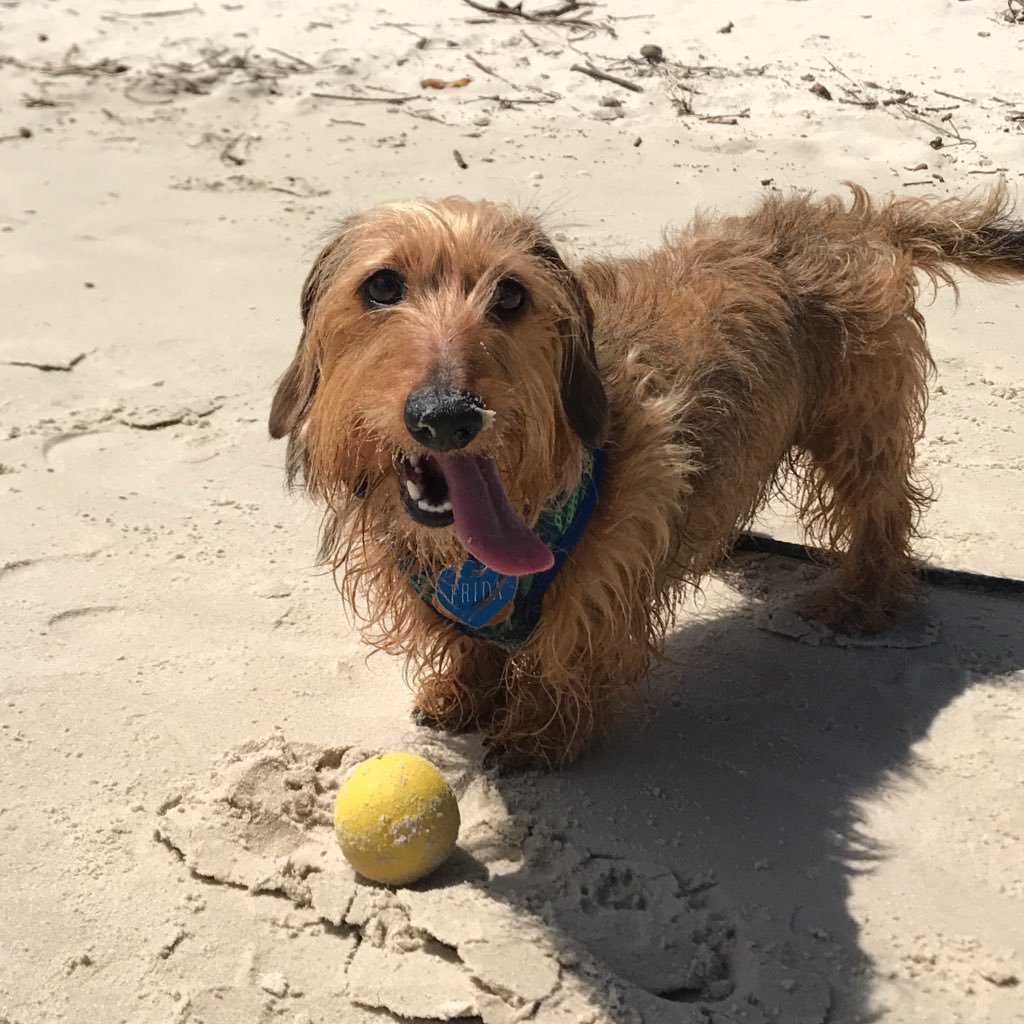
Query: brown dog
{"points": [[524, 465]]}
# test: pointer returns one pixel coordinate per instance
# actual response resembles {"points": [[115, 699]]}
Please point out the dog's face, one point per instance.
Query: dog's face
{"points": [[444, 378]]}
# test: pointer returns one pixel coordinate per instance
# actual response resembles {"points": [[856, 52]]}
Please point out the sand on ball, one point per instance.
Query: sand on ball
{"points": [[396, 818]]}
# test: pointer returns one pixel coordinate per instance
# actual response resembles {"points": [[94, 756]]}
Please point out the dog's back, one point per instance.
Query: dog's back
{"points": [[791, 339]]}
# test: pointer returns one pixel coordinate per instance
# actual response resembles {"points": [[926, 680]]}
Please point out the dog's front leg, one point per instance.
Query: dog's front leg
{"points": [[560, 696], [465, 691]]}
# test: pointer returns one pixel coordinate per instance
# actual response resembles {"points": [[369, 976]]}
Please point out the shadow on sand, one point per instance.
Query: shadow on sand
{"points": [[697, 870], [747, 782]]}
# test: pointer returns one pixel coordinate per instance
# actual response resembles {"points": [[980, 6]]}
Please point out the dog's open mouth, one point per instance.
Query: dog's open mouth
{"points": [[466, 491], [424, 491]]}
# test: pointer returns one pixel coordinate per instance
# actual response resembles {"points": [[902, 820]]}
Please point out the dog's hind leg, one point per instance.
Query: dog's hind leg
{"points": [[860, 499]]}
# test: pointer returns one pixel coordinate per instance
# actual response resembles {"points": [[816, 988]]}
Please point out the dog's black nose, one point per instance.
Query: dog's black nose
{"points": [[443, 419]]}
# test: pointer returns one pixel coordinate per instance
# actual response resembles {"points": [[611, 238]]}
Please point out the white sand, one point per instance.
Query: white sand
{"points": [[800, 834]]}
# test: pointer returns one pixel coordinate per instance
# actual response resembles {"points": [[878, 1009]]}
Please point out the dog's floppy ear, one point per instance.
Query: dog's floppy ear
{"points": [[298, 384], [293, 396], [583, 394]]}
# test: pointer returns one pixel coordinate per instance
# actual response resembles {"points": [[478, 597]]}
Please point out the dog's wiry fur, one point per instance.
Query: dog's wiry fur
{"points": [[743, 351]]}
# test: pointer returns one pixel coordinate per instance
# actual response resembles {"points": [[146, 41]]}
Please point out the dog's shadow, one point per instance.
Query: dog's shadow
{"points": [[747, 782]]}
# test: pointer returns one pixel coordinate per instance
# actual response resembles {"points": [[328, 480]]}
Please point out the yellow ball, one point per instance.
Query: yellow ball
{"points": [[396, 818]]}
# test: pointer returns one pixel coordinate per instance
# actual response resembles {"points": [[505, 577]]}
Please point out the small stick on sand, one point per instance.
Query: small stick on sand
{"points": [[603, 76], [128, 15], [364, 99], [228, 152], [486, 70], [505, 11], [107, 66], [65, 367], [509, 101], [552, 16], [724, 118], [292, 57]]}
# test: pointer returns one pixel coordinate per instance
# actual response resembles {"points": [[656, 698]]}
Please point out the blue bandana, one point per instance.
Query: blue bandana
{"points": [[504, 610]]}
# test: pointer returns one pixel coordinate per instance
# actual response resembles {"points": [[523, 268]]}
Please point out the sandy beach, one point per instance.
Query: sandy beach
{"points": [[799, 830]]}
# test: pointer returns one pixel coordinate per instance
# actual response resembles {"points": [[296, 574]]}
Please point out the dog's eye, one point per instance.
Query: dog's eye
{"points": [[509, 298], [383, 288]]}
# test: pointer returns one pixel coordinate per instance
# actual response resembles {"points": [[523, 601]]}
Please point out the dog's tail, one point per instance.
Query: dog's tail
{"points": [[979, 235]]}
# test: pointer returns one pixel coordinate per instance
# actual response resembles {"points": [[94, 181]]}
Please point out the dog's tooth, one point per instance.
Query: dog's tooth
{"points": [[414, 491], [425, 506], [414, 461]]}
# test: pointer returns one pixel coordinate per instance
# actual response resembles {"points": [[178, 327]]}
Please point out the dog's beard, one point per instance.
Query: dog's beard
{"points": [[467, 491], [375, 487]]}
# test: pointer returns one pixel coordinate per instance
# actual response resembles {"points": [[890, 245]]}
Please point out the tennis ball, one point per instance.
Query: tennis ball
{"points": [[396, 818]]}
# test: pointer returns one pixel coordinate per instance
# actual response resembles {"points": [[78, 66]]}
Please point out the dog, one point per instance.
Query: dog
{"points": [[524, 464]]}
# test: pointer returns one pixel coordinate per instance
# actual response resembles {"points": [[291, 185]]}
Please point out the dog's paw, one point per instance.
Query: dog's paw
{"points": [[452, 723], [450, 716], [425, 720], [845, 612], [446, 704], [503, 762]]}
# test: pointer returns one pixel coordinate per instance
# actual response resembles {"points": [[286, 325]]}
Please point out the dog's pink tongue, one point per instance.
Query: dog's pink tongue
{"points": [[485, 520]]}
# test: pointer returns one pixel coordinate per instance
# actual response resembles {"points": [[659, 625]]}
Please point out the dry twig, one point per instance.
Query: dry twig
{"points": [[228, 153], [107, 66], [364, 99], [484, 68], [551, 16], [952, 132], [424, 115], [65, 367], [509, 102], [165, 80], [725, 118], [129, 15], [504, 10], [295, 60], [603, 76]]}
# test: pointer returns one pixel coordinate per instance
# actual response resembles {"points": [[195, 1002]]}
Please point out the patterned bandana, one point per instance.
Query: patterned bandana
{"points": [[504, 610]]}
